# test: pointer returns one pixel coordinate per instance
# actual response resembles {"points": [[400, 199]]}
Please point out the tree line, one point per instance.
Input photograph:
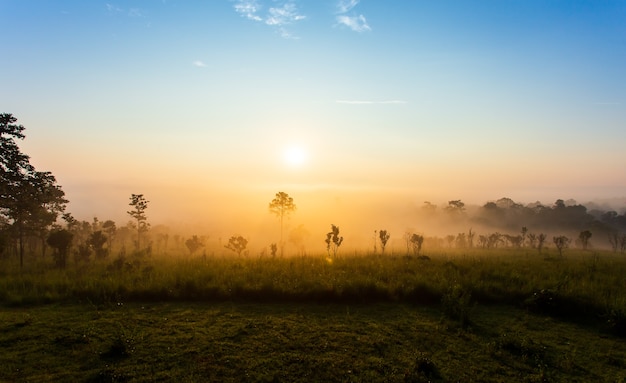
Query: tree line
{"points": [[33, 218]]}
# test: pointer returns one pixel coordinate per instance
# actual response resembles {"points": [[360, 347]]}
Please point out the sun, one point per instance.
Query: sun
{"points": [[295, 156]]}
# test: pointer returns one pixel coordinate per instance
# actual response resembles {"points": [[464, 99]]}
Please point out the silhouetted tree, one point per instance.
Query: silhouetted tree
{"points": [[561, 242], [97, 240], [470, 238], [30, 200], [455, 206], [532, 240], [417, 241], [384, 236], [60, 240], [139, 204], [109, 228], [333, 240], [193, 244], [541, 240], [282, 205], [584, 237], [237, 243]]}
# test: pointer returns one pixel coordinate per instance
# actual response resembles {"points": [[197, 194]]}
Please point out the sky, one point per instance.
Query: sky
{"points": [[210, 108]]}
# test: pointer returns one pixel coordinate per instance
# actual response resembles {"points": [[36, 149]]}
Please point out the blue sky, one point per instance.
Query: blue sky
{"points": [[432, 100]]}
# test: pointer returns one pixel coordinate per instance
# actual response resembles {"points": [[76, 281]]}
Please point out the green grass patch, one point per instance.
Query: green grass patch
{"points": [[233, 342]]}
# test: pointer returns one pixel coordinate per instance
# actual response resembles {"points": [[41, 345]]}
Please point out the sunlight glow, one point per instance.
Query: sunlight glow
{"points": [[294, 156]]}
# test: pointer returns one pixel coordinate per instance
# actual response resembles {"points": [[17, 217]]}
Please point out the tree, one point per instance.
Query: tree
{"points": [[60, 240], [282, 205], [30, 200], [333, 240], [455, 207], [109, 229], [561, 242], [193, 244], [584, 237], [541, 239], [417, 240], [237, 243], [96, 241], [139, 204], [384, 236]]}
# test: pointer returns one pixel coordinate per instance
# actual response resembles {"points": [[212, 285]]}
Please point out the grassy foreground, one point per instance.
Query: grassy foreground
{"points": [[226, 342], [494, 316]]}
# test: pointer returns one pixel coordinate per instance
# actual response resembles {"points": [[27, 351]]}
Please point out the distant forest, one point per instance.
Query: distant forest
{"points": [[606, 226]]}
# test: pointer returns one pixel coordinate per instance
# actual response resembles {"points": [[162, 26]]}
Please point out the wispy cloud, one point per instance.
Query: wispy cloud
{"points": [[199, 64], [366, 102], [286, 14], [278, 17], [113, 8], [356, 23], [344, 6], [132, 12], [248, 9], [352, 21]]}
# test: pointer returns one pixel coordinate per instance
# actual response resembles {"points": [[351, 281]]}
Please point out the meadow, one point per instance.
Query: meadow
{"points": [[449, 315]]}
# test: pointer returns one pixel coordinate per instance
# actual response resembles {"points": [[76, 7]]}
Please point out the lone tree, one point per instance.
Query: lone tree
{"points": [[237, 243], [561, 242], [139, 204], [193, 244], [584, 237], [333, 240], [30, 200], [282, 205], [416, 241], [384, 237]]}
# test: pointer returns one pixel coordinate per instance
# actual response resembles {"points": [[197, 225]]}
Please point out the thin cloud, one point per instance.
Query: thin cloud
{"points": [[277, 17], [132, 12], [366, 102], [113, 8], [356, 23], [199, 64], [344, 6], [286, 14], [248, 9]]}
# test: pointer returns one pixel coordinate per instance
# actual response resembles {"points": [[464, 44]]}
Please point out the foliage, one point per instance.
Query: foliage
{"points": [[237, 243], [584, 237], [138, 213], [193, 244], [561, 242], [282, 205], [97, 240], [384, 236], [273, 249], [333, 240], [30, 200], [416, 242], [60, 240]]}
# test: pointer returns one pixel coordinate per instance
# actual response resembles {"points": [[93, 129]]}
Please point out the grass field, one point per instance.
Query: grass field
{"points": [[468, 316]]}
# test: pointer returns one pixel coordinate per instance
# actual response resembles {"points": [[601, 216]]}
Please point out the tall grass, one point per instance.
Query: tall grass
{"points": [[585, 285]]}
